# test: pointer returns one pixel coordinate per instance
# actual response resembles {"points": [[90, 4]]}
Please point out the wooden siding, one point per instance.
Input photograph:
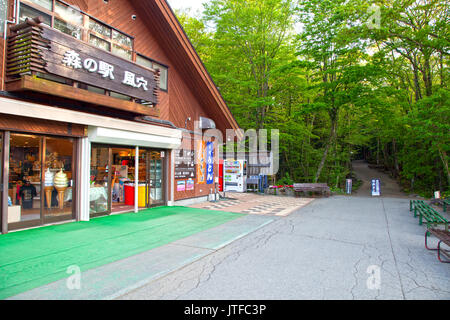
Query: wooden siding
{"points": [[25, 124], [191, 92]]}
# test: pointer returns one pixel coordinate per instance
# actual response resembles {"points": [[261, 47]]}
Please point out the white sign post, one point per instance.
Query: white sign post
{"points": [[375, 187]]}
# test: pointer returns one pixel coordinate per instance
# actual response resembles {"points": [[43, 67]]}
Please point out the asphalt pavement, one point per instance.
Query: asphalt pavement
{"points": [[342, 247]]}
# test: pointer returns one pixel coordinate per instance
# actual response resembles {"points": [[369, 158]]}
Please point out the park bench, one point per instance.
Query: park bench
{"points": [[427, 213], [311, 187], [443, 236]]}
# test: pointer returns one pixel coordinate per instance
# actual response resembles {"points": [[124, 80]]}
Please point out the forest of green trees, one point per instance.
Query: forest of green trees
{"points": [[340, 79]]}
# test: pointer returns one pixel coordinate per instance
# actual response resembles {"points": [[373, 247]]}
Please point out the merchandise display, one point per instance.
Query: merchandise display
{"points": [[48, 183], [61, 182]]}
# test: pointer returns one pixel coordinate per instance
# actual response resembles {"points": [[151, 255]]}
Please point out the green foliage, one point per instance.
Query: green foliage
{"points": [[337, 87], [286, 180]]}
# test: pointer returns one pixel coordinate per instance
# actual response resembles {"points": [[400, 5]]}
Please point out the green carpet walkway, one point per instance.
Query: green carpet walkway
{"points": [[31, 258]]}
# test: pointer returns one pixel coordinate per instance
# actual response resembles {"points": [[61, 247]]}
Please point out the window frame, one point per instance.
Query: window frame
{"points": [[158, 63], [85, 29], [86, 32]]}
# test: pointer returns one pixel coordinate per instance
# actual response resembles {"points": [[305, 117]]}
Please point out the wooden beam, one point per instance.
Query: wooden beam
{"points": [[65, 91]]}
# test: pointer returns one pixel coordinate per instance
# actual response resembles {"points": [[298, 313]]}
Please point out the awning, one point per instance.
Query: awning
{"points": [[101, 129], [128, 138]]}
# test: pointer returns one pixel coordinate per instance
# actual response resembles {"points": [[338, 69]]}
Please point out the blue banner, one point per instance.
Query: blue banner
{"points": [[209, 163]]}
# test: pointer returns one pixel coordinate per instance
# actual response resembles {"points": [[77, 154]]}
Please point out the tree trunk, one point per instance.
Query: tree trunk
{"points": [[443, 156], [327, 147]]}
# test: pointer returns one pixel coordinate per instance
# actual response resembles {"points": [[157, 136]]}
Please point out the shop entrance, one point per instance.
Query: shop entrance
{"points": [[154, 177], [113, 179], [41, 175]]}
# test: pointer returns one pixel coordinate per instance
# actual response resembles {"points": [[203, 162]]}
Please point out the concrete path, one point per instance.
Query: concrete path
{"points": [[334, 248], [251, 203], [117, 278], [388, 186]]}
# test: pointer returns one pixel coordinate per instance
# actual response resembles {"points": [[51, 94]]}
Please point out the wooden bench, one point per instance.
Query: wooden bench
{"points": [[427, 213], [443, 236], [312, 187]]}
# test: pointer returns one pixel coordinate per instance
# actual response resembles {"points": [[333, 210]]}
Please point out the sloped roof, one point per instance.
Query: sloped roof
{"points": [[169, 30]]}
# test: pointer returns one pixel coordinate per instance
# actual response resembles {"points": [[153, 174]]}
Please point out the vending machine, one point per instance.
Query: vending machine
{"points": [[235, 175]]}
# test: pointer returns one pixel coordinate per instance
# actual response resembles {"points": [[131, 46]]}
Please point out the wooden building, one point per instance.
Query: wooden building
{"points": [[97, 100]]}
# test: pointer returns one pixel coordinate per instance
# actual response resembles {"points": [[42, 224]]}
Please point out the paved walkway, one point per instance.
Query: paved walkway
{"points": [[252, 203], [388, 186], [334, 248], [119, 277]]}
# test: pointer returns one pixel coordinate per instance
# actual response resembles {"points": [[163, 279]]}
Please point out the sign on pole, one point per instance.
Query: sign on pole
{"points": [[375, 187]]}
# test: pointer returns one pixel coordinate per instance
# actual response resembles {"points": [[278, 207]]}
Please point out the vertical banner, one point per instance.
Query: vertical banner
{"points": [[201, 162], [209, 163]]}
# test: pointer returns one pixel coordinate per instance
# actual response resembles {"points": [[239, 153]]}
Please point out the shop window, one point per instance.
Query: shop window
{"points": [[67, 28], [120, 96], [47, 4], [122, 52], [146, 62], [100, 28], [98, 192], [69, 14], [162, 76], [58, 177], [122, 39], [24, 186], [29, 12], [3, 10], [53, 78], [99, 43], [109, 39]]}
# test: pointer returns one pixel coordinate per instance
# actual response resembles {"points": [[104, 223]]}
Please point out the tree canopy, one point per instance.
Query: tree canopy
{"points": [[340, 79]]}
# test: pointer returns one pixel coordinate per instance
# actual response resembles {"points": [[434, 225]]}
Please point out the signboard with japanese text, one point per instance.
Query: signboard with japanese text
{"points": [[59, 54], [184, 164], [209, 163]]}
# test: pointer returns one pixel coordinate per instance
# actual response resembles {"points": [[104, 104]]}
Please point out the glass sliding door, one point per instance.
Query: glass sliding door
{"points": [[24, 187], [100, 181], [58, 179], [155, 178]]}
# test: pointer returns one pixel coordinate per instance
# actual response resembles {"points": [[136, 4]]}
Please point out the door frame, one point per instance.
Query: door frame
{"points": [[4, 162], [164, 183], [109, 200], [42, 220]]}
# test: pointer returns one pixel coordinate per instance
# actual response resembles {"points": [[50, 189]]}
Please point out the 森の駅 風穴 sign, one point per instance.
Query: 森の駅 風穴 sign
{"points": [[53, 52]]}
